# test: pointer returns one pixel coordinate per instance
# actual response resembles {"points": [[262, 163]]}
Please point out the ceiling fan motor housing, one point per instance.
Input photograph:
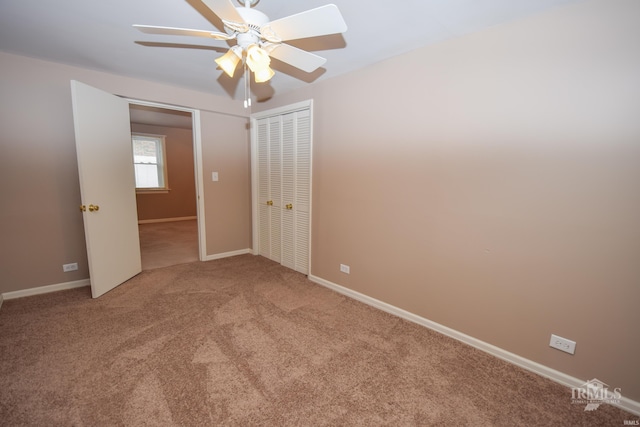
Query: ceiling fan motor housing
{"points": [[254, 19], [246, 39]]}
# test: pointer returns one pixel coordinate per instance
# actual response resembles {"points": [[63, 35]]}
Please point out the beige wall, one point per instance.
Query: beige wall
{"points": [[41, 226], [180, 201], [492, 184], [228, 201]]}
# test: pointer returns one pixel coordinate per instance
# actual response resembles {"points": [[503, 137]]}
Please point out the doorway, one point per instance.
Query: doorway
{"points": [[168, 217], [102, 128]]}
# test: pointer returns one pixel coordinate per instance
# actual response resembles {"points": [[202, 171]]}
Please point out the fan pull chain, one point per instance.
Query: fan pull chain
{"points": [[247, 86]]}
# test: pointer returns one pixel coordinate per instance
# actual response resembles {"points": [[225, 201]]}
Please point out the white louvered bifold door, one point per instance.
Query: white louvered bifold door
{"points": [[262, 140], [275, 187], [302, 208], [284, 188], [269, 188], [288, 190], [296, 168]]}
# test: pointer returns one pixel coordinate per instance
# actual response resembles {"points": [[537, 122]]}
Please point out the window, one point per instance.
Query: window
{"points": [[149, 161]]}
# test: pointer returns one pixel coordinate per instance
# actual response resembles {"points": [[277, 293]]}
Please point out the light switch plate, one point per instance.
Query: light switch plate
{"points": [[214, 176]]}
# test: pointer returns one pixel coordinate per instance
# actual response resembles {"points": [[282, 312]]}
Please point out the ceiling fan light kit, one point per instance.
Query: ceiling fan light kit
{"points": [[257, 58], [229, 61], [258, 39], [264, 74]]}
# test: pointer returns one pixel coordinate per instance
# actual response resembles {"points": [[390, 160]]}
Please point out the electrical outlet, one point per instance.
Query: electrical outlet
{"points": [[562, 344], [70, 267], [345, 268]]}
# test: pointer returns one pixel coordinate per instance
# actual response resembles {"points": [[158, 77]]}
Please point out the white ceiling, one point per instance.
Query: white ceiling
{"points": [[98, 34]]}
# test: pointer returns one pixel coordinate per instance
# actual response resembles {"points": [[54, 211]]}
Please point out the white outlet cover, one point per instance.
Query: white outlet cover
{"points": [[562, 344], [69, 267]]}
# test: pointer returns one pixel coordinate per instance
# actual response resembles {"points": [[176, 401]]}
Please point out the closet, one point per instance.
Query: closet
{"points": [[282, 170]]}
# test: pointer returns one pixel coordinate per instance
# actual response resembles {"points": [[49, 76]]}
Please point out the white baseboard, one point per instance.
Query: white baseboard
{"points": [[87, 282], [557, 376], [227, 254], [153, 221], [46, 289]]}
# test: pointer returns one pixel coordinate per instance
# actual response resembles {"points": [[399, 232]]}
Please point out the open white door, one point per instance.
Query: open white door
{"points": [[107, 186]]}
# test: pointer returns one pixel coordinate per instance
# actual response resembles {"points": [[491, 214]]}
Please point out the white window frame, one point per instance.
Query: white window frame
{"points": [[162, 165]]}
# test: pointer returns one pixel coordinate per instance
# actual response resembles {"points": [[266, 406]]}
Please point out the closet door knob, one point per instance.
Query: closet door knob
{"points": [[94, 208], [289, 206], [83, 208]]}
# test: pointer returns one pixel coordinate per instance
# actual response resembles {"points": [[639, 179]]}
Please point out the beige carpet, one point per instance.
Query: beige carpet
{"points": [[243, 341], [163, 244]]}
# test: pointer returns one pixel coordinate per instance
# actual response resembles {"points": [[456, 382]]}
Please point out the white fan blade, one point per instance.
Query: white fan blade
{"points": [[299, 58], [315, 22], [153, 29], [224, 9]]}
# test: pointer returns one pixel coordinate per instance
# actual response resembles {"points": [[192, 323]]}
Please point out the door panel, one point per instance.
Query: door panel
{"points": [[296, 180], [269, 189], [105, 165], [275, 188], [284, 188], [288, 185], [302, 190]]}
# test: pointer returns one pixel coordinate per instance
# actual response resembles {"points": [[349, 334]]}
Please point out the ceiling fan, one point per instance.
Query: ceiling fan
{"points": [[258, 39]]}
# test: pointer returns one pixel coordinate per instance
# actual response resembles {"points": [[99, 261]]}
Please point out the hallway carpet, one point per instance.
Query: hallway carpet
{"points": [[163, 244], [244, 341]]}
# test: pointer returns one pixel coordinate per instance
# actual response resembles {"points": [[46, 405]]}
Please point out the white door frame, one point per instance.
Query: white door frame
{"points": [[303, 105], [197, 153]]}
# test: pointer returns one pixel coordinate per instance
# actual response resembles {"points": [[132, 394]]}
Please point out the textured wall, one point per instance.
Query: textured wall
{"points": [[226, 147], [491, 184]]}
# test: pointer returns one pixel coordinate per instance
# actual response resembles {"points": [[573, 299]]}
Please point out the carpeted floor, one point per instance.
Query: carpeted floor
{"points": [[243, 341], [163, 244]]}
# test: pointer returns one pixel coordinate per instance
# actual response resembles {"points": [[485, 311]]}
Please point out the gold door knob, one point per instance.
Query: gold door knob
{"points": [[94, 208], [289, 206], [270, 203], [83, 208]]}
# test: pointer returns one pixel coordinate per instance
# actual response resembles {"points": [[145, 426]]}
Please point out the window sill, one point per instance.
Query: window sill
{"points": [[152, 190]]}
